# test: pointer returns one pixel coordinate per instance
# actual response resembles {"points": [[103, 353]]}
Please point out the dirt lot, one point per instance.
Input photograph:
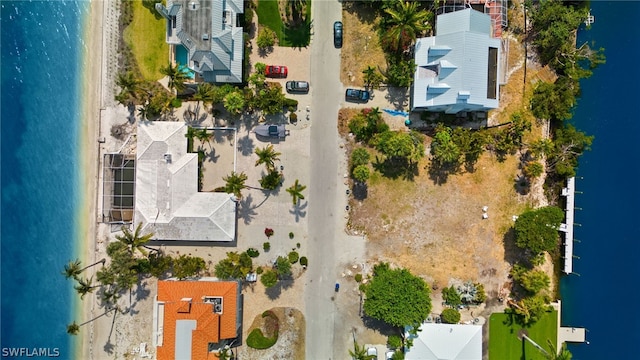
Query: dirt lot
{"points": [[361, 46]]}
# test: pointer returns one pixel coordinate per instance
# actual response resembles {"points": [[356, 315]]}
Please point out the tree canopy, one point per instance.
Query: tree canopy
{"points": [[396, 297], [537, 230]]}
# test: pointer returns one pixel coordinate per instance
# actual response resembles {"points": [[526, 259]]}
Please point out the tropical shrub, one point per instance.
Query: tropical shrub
{"points": [[269, 278], [252, 252], [293, 257], [450, 316], [266, 38], [361, 173]]}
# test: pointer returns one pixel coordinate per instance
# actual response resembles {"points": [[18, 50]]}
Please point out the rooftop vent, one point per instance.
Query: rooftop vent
{"points": [[193, 5]]}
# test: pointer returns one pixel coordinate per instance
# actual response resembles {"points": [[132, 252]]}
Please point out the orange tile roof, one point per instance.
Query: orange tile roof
{"points": [[210, 327]]}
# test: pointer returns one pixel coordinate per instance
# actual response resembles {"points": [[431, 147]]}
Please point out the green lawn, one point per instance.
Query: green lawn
{"points": [[146, 37], [504, 342], [269, 16]]}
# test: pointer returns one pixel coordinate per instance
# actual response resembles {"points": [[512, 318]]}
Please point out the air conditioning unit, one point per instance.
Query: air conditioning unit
{"points": [[205, 37], [217, 308], [167, 158]]}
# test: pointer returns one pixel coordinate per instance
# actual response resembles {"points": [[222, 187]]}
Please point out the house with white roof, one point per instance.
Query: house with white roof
{"points": [[167, 201], [446, 342], [211, 33], [457, 69]]}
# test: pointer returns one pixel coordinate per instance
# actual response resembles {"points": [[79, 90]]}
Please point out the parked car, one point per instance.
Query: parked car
{"points": [[373, 353], [357, 95], [301, 87], [389, 355], [276, 71], [337, 34]]}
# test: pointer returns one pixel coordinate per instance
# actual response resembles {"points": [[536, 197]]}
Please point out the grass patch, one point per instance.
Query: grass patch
{"points": [[288, 36], [146, 38], [504, 342], [257, 339]]}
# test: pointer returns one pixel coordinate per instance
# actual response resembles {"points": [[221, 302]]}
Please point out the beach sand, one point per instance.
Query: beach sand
{"points": [[89, 133]]}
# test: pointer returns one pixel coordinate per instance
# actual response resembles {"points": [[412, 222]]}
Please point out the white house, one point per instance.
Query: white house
{"points": [[457, 69], [446, 342], [167, 202], [210, 32]]}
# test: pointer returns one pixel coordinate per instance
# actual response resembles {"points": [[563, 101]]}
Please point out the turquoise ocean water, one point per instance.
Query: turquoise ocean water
{"points": [[41, 44], [603, 297]]}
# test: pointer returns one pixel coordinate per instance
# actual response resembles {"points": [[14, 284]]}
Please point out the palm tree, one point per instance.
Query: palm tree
{"points": [[85, 286], [372, 78], [235, 183], [177, 76], [204, 93], [405, 24], [72, 269], [267, 156], [203, 135], [134, 240], [73, 328], [296, 192], [129, 88], [143, 112], [562, 354], [360, 353]]}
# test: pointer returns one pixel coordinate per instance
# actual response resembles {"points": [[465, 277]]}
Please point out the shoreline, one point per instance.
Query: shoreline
{"points": [[86, 217]]}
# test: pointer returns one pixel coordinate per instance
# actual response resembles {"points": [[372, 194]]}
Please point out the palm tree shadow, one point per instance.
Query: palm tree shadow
{"points": [[274, 291], [246, 145], [246, 211], [108, 347], [299, 210], [212, 157], [398, 96]]}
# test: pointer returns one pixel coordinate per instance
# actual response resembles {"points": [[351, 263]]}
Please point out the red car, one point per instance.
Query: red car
{"points": [[276, 71]]}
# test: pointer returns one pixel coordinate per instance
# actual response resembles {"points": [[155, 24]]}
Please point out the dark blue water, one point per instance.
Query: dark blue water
{"points": [[40, 111], [603, 298]]}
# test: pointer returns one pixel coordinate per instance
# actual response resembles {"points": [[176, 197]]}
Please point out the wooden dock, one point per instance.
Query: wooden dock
{"points": [[567, 226]]}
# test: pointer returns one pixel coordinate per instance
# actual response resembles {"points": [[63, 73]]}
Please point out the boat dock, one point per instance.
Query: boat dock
{"points": [[567, 226], [567, 333]]}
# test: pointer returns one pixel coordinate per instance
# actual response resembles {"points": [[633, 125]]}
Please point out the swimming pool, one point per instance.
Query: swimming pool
{"points": [[182, 58]]}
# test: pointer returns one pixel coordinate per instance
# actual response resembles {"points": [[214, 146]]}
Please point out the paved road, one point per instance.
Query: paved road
{"points": [[324, 212]]}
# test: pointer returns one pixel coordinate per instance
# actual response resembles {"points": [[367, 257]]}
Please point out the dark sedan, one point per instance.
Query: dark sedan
{"points": [[337, 34]]}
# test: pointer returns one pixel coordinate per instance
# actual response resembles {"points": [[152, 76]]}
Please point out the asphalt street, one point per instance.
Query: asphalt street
{"points": [[324, 208]]}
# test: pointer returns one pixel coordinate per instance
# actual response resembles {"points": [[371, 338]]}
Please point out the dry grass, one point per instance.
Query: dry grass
{"points": [[361, 45], [437, 231]]}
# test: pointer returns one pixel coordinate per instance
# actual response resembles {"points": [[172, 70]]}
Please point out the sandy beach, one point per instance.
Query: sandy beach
{"points": [[89, 133]]}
